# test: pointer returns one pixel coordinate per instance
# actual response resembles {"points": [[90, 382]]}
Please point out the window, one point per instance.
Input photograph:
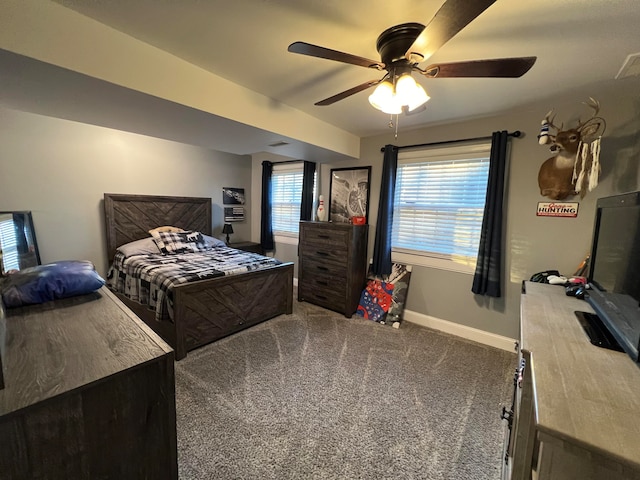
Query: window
{"points": [[439, 205], [286, 191], [9, 245]]}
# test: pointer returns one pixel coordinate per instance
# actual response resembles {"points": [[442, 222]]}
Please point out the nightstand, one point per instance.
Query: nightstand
{"points": [[248, 247]]}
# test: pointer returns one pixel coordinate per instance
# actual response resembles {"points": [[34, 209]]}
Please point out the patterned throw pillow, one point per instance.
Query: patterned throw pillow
{"points": [[171, 243]]}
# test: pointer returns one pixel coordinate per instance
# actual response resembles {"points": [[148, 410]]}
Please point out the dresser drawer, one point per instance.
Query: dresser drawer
{"points": [[328, 282], [323, 297], [324, 235], [325, 253], [332, 266]]}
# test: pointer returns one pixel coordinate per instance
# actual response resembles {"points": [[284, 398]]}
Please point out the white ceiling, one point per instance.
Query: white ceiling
{"points": [[578, 43]]}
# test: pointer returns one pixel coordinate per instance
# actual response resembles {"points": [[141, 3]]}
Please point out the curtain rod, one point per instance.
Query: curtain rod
{"points": [[515, 134], [287, 161]]}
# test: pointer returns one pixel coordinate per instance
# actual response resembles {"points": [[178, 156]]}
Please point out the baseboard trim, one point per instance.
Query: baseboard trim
{"points": [[469, 333]]}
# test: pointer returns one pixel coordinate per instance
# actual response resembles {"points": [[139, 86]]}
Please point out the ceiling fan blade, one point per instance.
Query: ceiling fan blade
{"points": [[452, 17], [304, 48], [347, 93], [499, 67]]}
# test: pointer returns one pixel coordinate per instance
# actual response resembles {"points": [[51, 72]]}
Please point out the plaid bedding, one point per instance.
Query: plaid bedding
{"points": [[148, 279]]}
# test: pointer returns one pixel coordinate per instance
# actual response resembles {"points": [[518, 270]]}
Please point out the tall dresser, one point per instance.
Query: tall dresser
{"points": [[332, 266], [88, 393]]}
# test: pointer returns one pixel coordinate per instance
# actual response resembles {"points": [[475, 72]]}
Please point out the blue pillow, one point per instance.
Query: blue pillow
{"points": [[49, 282]]}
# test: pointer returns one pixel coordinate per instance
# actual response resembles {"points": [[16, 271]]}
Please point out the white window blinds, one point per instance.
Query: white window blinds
{"points": [[286, 190], [9, 244], [439, 201]]}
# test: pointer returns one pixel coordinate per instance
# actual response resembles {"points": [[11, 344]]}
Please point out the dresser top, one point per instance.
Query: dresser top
{"points": [[59, 346], [584, 394], [336, 225]]}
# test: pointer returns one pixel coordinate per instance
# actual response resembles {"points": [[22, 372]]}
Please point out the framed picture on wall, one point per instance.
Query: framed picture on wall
{"points": [[232, 196], [349, 194]]}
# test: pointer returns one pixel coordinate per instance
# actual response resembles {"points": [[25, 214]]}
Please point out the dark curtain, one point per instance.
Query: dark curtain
{"points": [[266, 226], [306, 206], [382, 248], [488, 276]]}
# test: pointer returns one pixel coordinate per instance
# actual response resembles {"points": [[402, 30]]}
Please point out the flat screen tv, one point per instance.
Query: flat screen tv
{"points": [[614, 270]]}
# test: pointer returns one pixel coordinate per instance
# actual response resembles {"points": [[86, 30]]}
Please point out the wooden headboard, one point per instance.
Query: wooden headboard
{"points": [[130, 217]]}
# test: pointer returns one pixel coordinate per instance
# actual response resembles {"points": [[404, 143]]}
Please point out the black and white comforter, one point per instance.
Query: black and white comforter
{"points": [[148, 279]]}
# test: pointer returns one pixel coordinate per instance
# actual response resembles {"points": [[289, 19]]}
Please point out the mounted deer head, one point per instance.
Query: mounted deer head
{"points": [[561, 176]]}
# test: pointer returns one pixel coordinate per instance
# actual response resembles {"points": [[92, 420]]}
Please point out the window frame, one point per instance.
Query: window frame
{"points": [[476, 150], [296, 167]]}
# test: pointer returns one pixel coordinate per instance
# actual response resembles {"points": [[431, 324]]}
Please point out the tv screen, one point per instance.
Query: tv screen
{"points": [[614, 272]]}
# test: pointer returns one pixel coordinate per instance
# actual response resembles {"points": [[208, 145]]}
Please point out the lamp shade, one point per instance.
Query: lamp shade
{"points": [[382, 98], [227, 228], [392, 99]]}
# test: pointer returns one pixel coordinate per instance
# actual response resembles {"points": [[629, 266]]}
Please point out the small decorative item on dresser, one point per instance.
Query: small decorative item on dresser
{"points": [[322, 213], [358, 220]]}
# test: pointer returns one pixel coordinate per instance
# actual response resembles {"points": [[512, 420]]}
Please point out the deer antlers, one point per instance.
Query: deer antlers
{"points": [[585, 129]]}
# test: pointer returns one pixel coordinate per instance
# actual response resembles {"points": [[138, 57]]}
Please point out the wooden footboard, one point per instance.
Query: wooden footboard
{"points": [[208, 310]]}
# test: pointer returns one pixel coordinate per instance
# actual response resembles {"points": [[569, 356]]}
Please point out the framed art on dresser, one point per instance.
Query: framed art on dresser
{"points": [[349, 193]]}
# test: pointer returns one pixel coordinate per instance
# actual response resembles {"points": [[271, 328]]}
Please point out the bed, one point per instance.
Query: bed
{"points": [[203, 310]]}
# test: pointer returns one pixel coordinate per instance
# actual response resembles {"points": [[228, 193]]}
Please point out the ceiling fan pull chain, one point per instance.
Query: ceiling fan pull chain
{"points": [[394, 124]]}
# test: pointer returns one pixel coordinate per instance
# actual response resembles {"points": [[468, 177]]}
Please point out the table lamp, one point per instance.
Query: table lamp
{"points": [[227, 229]]}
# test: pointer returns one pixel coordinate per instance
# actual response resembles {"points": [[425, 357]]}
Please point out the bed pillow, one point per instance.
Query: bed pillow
{"points": [[144, 246], [52, 281], [211, 242], [166, 228], [171, 243]]}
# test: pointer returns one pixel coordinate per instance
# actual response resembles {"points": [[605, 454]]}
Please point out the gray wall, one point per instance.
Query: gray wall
{"points": [[532, 243], [60, 170]]}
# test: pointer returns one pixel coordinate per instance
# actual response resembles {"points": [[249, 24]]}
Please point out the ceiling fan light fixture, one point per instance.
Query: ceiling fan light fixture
{"points": [[383, 98], [409, 93], [418, 98], [405, 94]]}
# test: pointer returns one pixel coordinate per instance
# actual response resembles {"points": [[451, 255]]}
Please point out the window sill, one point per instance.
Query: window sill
{"points": [[289, 240], [432, 262]]}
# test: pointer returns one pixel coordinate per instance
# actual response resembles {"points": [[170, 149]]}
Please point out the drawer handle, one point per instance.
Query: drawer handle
{"points": [[323, 254], [324, 236], [520, 372], [321, 296], [321, 282], [324, 269]]}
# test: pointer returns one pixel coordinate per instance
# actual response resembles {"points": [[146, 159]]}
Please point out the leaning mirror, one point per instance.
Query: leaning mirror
{"points": [[18, 246]]}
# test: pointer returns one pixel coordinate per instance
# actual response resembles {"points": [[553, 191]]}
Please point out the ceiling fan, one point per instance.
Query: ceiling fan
{"points": [[404, 46]]}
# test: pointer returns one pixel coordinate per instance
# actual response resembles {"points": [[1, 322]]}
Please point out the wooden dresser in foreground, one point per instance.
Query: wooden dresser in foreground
{"points": [[332, 268], [577, 406], [88, 393]]}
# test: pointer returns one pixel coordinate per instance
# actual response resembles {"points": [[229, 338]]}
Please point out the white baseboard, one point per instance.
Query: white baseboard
{"points": [[469, 333]]}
